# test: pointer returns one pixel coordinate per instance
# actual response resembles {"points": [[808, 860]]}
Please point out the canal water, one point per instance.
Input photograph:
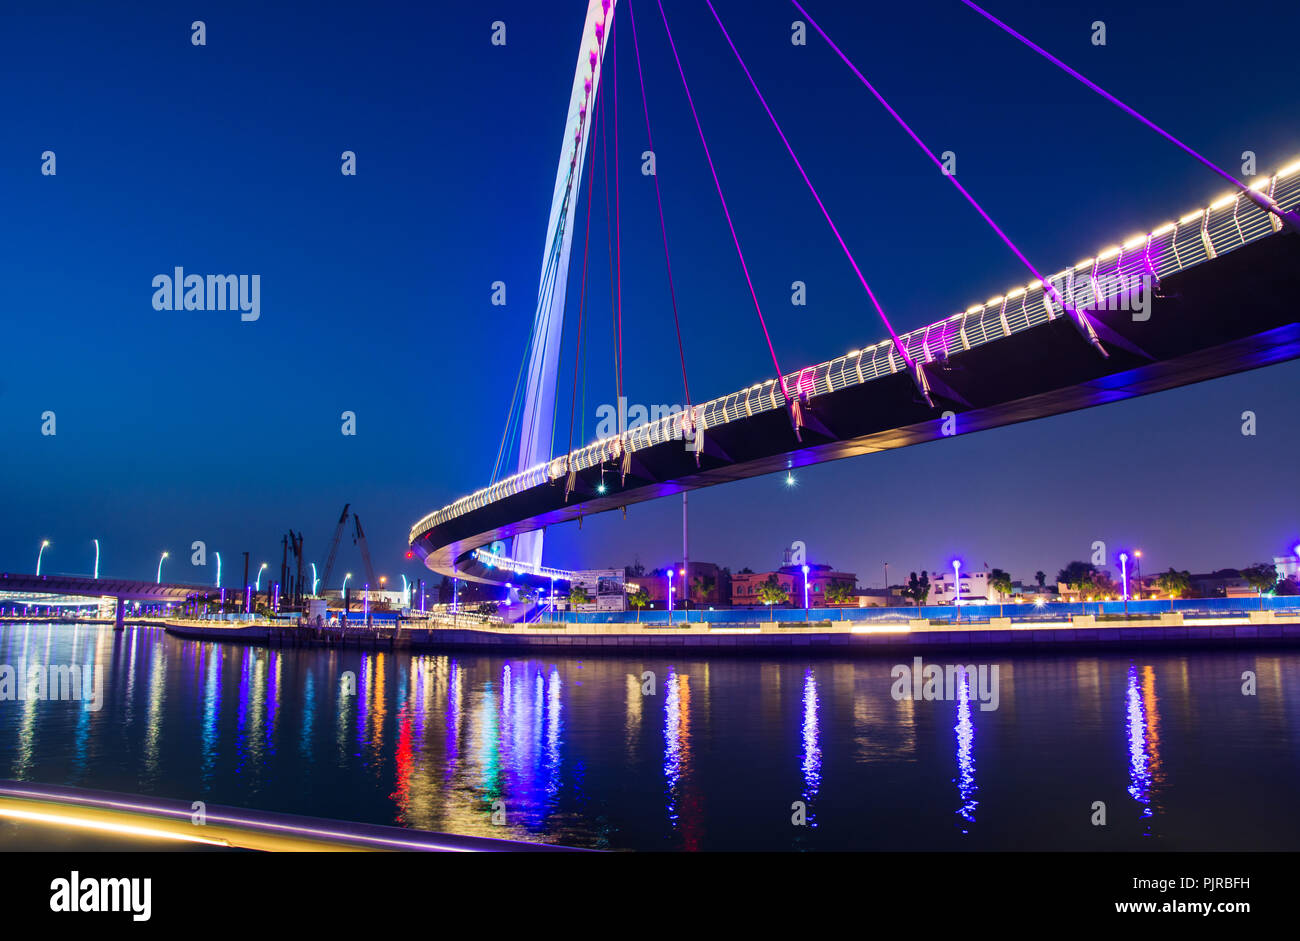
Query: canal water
{"points": [[652, 753]]}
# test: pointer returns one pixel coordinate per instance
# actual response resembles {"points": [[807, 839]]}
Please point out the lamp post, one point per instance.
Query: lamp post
{"points": [[314, 580], [96, 559], [671, 573], [956, 569], [218, 569], [346, 607], [1123, 571], [257, 583], [162, 557], [804, 569], [1137, 570], [39, 553]]}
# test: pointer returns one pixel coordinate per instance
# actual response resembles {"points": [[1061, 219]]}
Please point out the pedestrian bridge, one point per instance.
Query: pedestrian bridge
{"points": [[1224, 282]]}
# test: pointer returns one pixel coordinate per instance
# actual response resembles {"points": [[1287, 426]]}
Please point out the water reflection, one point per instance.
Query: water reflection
{"points": [[1143, 727], [811, 762], [965, 729]]}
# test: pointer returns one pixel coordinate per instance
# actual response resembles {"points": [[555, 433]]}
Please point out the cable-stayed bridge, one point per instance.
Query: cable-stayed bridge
{"points": [[1213, 293]]}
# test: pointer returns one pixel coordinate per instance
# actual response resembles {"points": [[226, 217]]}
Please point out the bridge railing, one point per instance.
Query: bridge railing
{"points": [[1226, 224]]}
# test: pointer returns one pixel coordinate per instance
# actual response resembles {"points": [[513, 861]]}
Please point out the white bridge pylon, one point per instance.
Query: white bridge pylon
{"points": [[548, 322]]}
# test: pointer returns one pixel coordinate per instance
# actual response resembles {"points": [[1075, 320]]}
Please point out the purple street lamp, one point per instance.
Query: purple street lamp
{"points": [[956, 570], [1123, 569], [805, 587], [671, 573]]}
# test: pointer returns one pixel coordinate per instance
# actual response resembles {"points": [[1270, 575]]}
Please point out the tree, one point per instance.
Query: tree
{"points": [[839, 593], [578, 595], [1287, 586], [638, 599], [701, 586], [1103, 586], [1078, 576], [1262, 577], [1041, 578], [1174, 583], [771, 592], [1000, 582], [918, 589]]}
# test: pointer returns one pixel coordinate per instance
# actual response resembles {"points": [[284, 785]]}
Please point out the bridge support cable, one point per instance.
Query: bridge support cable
{"points": [[618, 222], [663, 228], [570, 474], [609, 235], [1289, 218], [1082, 323], [916, 368], [792, 404]]}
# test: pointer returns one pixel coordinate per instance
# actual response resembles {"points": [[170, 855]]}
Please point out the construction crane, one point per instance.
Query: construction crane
{"points": [[295, 546], [360, 539], [334, 545]]}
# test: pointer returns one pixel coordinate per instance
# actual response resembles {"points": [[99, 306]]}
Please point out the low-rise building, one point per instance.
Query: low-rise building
{"points": [[745, 585]]}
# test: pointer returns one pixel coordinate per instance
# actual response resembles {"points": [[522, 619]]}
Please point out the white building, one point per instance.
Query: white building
{"points": [[975, 589]]}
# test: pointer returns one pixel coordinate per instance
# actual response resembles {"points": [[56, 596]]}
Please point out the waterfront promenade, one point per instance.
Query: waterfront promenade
{"points": [[848, 637]]}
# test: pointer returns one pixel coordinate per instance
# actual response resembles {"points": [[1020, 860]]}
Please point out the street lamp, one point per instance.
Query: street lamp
{"points": [[158, 580], [96, 558], [805, 589], [41, 552], [1123, 570], [671, 573], [314, 580], [218, 569], [257, 584], [956, 570]]}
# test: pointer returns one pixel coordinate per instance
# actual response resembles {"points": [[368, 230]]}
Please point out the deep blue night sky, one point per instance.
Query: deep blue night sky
{"points": [[176, 426]]}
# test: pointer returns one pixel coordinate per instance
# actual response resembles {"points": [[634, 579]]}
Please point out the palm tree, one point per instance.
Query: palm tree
{"points": [[839, 593], [771, 592]]}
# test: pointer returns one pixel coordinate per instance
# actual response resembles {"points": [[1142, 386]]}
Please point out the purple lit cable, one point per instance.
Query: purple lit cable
{"points": [[780, 380], [672, 294], [898, 344], [1049, 288], [1105, 94]]}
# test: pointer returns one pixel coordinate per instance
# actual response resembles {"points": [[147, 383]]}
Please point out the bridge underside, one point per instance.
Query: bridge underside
{"points": [[1237, 312], [125, 589]]}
